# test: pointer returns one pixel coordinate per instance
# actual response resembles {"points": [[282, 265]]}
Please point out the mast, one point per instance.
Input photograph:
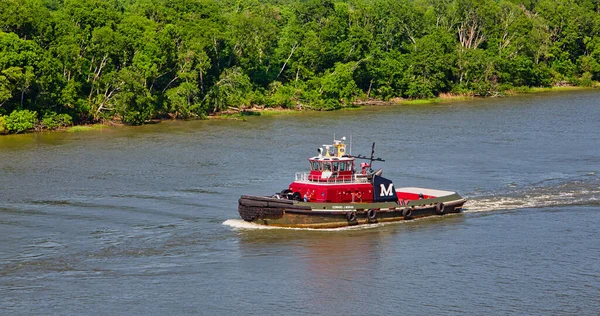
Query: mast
{"points": [[372, 155], [350, 153]]}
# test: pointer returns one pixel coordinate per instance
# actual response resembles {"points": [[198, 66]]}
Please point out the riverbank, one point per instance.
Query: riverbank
{"points": [[245, 113]]}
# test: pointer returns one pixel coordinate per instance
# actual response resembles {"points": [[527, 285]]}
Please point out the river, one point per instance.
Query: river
{"points": [[143, 220]]}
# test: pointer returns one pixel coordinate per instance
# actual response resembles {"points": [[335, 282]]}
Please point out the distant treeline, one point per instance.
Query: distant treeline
{"points": [[64, 61]]}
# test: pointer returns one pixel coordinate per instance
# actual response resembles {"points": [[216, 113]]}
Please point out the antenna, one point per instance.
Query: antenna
{"points": [[350, 145], [372, 157]]}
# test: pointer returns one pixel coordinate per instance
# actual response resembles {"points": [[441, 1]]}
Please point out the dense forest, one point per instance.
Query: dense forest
{"points": [[82, 61]]}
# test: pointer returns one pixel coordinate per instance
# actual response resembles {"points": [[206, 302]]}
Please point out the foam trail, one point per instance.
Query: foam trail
{"points": [[555, 193], [241, 224]]}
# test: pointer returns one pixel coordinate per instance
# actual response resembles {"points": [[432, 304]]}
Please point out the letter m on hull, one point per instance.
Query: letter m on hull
{"points": [[386, 192], [383, 190]]}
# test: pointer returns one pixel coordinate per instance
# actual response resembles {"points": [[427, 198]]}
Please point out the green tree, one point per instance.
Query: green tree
{"points": [[232, 89], [184, 100], [339, 85], [253, 34], [431, 66], [132, 100]]}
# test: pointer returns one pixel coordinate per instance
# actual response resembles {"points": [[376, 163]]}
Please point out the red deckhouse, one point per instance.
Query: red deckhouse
{"points": [[332, 177]]}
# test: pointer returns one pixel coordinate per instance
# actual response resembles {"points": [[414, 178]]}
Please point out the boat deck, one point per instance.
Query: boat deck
{"points": [[427, 192]]}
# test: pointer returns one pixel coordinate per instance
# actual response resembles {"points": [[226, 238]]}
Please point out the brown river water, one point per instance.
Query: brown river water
{"points": [[143, 220]]}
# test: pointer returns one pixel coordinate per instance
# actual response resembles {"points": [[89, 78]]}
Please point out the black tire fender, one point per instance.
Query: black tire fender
{"points": [[439, 208], [372, 214], [351, 216], [297, 196]]}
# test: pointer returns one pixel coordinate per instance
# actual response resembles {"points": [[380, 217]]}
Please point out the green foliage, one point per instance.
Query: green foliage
{"points": [[20, 121], [2, 124], [183, 101], [339, 84], [53, 121], [585, 80], [5, 91], [285, 96], [232, 89], [136, 60], [431, 66], [134, 102]]}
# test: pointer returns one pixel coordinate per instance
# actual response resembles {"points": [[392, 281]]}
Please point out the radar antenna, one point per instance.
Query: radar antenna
{"points": [[371, 159]]}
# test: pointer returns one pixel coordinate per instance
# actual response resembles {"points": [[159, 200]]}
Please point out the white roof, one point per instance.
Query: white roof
{"points": [[332, 158]]}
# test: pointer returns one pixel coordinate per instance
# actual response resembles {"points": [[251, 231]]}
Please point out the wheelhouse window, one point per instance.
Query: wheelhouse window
{"points": [[314, 165], [342, 166]]}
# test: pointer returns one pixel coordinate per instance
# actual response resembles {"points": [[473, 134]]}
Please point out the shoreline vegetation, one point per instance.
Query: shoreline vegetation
{"points": [[243, 113], [255, 111], [75, 63]]}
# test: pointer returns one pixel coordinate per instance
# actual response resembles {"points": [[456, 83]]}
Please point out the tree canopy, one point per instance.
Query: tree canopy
{"points": [[134, 60]]}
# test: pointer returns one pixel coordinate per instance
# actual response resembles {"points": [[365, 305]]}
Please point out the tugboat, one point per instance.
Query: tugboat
{"points": [[333, 194]]}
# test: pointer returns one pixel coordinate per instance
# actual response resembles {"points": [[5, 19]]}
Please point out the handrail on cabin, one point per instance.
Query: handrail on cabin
{"points": [[306, 177]]}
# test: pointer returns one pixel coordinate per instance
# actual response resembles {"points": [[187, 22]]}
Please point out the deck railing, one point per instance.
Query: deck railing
{"points": [[306, 177]]}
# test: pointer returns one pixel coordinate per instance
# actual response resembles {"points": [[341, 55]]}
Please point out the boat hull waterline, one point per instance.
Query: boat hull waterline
{"points": [[270, 211]]}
